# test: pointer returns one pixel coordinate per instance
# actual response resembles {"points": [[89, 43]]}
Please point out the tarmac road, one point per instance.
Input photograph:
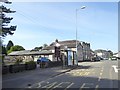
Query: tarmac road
{"points": [[102, 74]]}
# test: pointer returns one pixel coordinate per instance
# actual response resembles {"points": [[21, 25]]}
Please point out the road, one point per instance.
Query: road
{"points": [[102, 74]]}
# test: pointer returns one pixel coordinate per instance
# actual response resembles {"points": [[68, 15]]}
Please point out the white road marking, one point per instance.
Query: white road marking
{"points": [[115, 68], [96, 88], [69, 86], [99, 79], [102, 70], [50, 85], [82, 86], [100, 74], [85, 85], [59, 85]]}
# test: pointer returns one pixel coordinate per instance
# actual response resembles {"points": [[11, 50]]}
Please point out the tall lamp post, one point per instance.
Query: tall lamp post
{"points": [[83, 7]]}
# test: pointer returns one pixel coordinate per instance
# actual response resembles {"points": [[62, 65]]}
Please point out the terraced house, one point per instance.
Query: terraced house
{"points": [[83, 49]]}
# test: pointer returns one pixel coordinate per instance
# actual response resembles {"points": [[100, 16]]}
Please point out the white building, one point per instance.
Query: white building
{"points": [[83, 49], [102, 53], [117, 54]]}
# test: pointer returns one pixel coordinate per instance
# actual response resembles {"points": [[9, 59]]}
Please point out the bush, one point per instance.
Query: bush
{"points": [[5, 69], [30, 65], [16, 68]]}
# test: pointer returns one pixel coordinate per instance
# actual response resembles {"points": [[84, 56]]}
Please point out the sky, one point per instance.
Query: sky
{"points": [[44, 22]]}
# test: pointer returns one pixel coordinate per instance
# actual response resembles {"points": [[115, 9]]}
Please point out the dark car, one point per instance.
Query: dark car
{"points": [[96, 59]]}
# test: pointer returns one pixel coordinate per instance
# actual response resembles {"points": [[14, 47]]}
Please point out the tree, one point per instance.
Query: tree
{"points": [[37, 48], [16, 48], [9, 45], [4, 21], [4, 28], [45, 45], [4, 50], [110, 52]]}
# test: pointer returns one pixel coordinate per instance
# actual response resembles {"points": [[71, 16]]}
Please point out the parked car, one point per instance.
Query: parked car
{"points": [[105, 58], [114, 58], [42, 59], [96, 59]]}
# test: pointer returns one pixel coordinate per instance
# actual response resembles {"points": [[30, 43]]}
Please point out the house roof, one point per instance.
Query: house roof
{"points": [[100, 51], [68, 43], [29, 52]]}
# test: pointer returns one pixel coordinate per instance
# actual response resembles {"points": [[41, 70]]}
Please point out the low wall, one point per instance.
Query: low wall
{"points": [[18, 68]]}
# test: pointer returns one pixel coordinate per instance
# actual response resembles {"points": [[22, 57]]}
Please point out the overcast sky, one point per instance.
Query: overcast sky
{"points": [[39, 23]]}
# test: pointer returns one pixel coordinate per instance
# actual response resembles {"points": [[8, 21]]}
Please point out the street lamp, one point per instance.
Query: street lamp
{"points": [[83, 7]]}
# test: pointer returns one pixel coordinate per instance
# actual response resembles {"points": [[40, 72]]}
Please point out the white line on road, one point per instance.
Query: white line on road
{"points": [[69, 86], [96, 88], [100, 74], [115, 68], [85, 85], [99, 79], [102, 70], [82, 86]]}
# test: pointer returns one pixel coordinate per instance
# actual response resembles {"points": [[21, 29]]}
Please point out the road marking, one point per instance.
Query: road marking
{"points": [[99, 79], [58, 86], [82, 86], [96, 88], [36, 85], [115, 68], [50, 85], [100, 74], [85, 85], [69, 86], [102, 70]]}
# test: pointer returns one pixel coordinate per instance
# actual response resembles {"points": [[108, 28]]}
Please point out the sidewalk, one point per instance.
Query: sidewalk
{"points": [[61, 70]]}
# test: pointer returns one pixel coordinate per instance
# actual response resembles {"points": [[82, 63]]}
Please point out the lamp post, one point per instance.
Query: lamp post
{"points": [[83, 7]]}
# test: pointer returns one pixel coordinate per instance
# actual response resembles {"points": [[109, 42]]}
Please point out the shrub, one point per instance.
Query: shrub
{"points": [[5, 69], [30, 65]]}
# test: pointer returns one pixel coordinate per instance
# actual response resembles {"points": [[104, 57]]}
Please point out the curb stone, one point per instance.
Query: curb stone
{"points": [[63, 72]]}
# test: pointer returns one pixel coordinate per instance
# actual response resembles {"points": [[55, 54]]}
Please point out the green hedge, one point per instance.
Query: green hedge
{"points": [[16, 68], [30, 65], [5, 69]]}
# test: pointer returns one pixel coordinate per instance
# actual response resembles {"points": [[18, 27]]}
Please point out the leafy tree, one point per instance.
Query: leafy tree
{"points": [[16, 48], [4, 50], [45, 45], [4, 21], [111, 53], [4, 28], [9, 45], [37, 48]]}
